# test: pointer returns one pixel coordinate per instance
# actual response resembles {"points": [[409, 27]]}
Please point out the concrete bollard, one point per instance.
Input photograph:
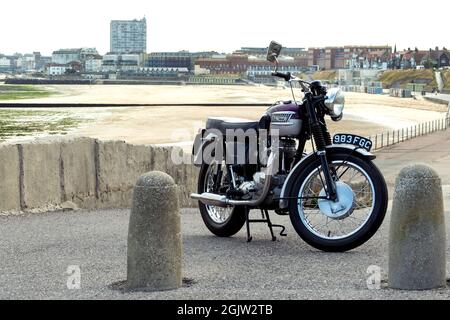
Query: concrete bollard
{"points": [[417, 240], [154, 237]]}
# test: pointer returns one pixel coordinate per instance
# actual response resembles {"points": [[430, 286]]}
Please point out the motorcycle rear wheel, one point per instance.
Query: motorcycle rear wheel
{"points": [[222, 222]]}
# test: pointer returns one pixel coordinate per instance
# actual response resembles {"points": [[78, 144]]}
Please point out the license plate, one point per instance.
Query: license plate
{"points": [[346, 138]]}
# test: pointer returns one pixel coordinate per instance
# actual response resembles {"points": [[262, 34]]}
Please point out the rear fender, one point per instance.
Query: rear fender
{"points": [[333, 149], [200, 141]]}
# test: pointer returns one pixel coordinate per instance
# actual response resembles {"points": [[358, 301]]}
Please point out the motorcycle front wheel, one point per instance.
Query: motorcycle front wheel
{"points": [[223, 222], [351, 220]]}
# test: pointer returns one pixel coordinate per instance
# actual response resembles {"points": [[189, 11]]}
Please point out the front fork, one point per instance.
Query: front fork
{"points": [[329, 181], [321, 143]]}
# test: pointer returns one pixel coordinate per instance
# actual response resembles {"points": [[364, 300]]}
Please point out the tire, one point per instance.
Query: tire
{"points": [[232, 225], [378, 199]]}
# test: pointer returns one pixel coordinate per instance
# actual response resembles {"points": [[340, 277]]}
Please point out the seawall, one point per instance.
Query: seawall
{"points": [[44, 174]]}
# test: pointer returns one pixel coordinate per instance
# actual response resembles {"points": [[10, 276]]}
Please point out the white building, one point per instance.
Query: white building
{"points": [[5, 63], [122, 62], [65, 56], [200, 71], [128, 36], [56, 69], [110, 62], [93, 63], [130, 62], [28, 62]]}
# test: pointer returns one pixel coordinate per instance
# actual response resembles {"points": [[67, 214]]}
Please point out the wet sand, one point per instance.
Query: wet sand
{"points": [[364, 114]]}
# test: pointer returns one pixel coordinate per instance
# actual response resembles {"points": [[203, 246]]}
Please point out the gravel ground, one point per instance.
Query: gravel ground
{"points": [[37, 250]]}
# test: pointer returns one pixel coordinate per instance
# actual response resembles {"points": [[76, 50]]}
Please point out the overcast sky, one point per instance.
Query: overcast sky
{"points": [[225, 25]]}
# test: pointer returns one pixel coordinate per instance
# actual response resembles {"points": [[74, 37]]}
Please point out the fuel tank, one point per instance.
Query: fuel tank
{"points": [[286, 116]]}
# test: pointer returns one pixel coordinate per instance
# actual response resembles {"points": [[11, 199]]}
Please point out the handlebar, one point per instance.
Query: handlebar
{"points": [[285, 76]]}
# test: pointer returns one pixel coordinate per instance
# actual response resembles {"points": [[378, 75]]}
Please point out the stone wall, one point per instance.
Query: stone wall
{"points": [[42, 175]]}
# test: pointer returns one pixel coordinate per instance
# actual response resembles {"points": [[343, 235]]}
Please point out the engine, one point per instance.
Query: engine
{"points": [[251, 189]]}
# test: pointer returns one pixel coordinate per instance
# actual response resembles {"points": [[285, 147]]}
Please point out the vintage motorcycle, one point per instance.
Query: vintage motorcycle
{"points": [[335, 196]]}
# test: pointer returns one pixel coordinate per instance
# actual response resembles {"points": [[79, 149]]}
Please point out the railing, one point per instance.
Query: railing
{"points": [[388, 138]]}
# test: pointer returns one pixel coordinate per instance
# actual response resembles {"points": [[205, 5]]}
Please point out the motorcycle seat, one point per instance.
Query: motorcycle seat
{"points": [[223, 123]]}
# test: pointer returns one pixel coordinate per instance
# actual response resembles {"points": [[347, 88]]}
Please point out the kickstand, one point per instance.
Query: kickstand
{"points": [[265, 219], [247, 222]]}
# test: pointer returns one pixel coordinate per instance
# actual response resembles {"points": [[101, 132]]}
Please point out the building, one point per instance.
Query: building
{"points": [[260, 70], [41, 61], [5, 63], [128, 36], [244, 66], [436, 58], [54, 69], [443, 58], [262, 52], [232, 64], [28, 63], [166, 73], [417, 59], [128, 62], [93, 63], [348, 56], [65, 56], [302, 59], [181, 59]]}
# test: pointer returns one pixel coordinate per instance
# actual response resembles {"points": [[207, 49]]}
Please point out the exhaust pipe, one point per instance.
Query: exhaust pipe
{"points": [[212, 199]]}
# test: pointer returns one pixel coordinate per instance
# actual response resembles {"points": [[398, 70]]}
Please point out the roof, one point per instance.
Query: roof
{"points": [[94, 56], [166, 69], [67, 51], [56, 65]]}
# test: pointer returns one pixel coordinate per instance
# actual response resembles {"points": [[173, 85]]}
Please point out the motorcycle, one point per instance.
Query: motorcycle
{"points": [[335, 196]]}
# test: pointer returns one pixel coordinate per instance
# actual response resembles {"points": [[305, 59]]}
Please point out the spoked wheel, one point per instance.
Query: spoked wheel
{"points": [[353, 218], [223, 222]]}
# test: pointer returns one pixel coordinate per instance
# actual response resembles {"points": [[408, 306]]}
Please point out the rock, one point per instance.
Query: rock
{"points": [[417, 239], [154, 236]]}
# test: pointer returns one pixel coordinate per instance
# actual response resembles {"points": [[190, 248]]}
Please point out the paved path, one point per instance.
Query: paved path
{"points": [[36, 250], [432, 149], [439, 96]]}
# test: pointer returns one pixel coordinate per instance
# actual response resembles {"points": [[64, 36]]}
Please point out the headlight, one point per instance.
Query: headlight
{"points": [[335, 102]]}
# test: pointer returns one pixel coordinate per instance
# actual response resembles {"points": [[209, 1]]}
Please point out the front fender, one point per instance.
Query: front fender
{"points": [[335, 148]]}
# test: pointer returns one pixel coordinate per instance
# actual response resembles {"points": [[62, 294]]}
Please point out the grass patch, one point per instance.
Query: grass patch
{"points": [[19, 123], [400, 78], [446, 76], [330, 75], [16, 92]]}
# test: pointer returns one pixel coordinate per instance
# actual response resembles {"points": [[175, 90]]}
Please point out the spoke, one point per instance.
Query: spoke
{"points": [[312, 192], [339, 178], [321, 180], [363, 192], [356, 172]]}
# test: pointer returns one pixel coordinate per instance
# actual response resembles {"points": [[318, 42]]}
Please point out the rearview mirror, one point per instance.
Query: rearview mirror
{"points": [[274, 51]]}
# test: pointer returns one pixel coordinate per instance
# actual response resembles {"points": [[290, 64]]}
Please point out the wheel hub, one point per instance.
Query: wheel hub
{"points": [[342, 208]]}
